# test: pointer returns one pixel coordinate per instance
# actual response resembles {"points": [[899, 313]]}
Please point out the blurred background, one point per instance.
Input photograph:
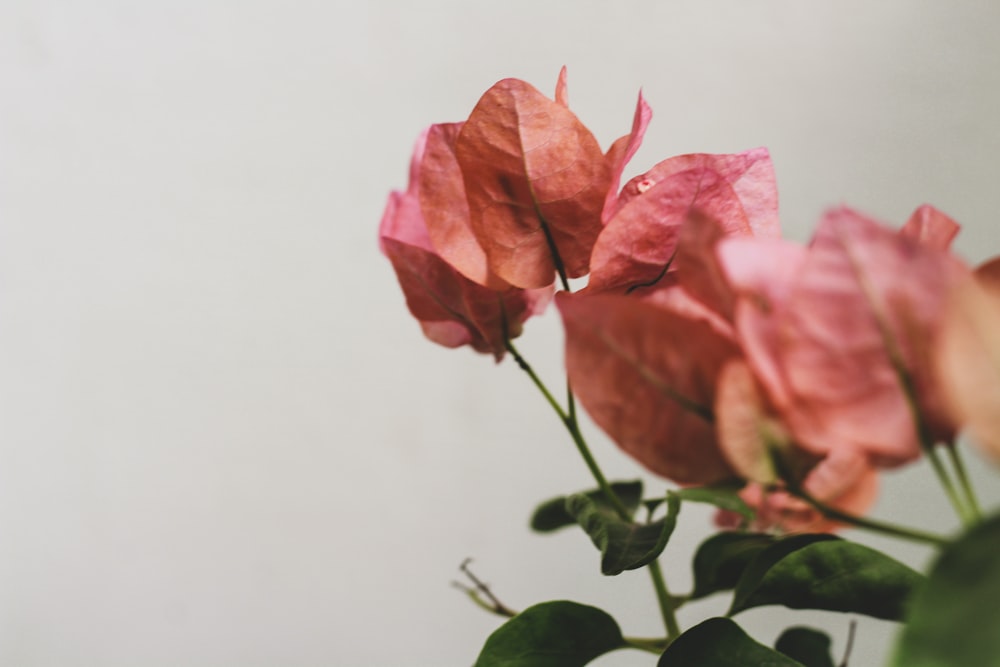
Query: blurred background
{"points": [[223, 441]]}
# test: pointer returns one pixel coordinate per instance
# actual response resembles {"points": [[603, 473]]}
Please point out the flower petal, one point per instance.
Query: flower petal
{"points": [[535, 177], [647, 376]]}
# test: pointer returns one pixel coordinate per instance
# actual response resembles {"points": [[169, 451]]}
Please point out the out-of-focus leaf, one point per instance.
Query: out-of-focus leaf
{"points": [[623, 545], [725, 497], [954, 619], [823, 572], [719, 642], [552, 515], [808, 646], [721, 559], [552, 634]]}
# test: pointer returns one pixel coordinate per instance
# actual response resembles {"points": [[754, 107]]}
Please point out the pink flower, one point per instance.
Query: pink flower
{"points": [[452, 309], [840, 335], [968, 359]]}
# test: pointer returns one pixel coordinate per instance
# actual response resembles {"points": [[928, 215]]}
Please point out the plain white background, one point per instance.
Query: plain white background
{"points": [[222, 439]]}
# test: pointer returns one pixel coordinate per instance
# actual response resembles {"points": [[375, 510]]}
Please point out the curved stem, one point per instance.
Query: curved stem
{"points": [[651, 645], [964, 513], [569, 420], [667, 603], [912, 534], [963, 479]]}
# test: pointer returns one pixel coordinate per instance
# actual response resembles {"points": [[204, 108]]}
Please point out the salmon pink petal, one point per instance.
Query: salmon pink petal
{"points": [[848, 486], [747, 436], [402, 219], [647, 376], [622, 151], [637, 246], [444, 301], [762, 273], [931, 227], [856, 337], [562, 92], [697, 264], [444, 208], [750, 174], [969, 356], [535, 178]]}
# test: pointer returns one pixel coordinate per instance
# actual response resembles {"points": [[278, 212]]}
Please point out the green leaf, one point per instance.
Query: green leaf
{"points": [[719, 642], [722, 558], [552, 634], [623, 545], [809, 572], [808, 646], [552, 515], [725, 497], [954, 619]]}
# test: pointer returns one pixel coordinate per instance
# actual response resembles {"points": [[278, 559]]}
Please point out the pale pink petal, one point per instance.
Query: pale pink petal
{"points": [[647, 376], [750, 174], [636, 247], [562, 93], [762, 272], [856, 336], [747, 436], [534, 177], [969, 357], [622, 151], [931, 227]]}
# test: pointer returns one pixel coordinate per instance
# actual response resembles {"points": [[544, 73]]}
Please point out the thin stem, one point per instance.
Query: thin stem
{"points": [[569, 420], [965, 513], [534, 378], [667, 604], [963, 479], [574, 431], [651, 645], [912, 534]]}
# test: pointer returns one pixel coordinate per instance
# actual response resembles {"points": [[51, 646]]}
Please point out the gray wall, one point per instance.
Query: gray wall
{"points": [[222, 439]]}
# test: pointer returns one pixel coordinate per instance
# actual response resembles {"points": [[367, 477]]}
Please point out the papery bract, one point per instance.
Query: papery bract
{"points": [[779, 511], [931, 227], [535, 179], [641, 236], [756, 444], [842, 342], [451, 309], [647, 376], [969, 355], [622, 150], [445, 209]]}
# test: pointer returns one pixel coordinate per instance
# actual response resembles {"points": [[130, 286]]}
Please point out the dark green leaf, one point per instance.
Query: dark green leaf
{"points": [[954, 619], [552, 515], [761, 564], [808, 646], [623, 545], [552, 634], [826, 574], [721, 559], [725, 497], [719, 642]]}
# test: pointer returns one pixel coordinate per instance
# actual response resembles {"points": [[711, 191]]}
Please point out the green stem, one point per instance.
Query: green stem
{"points": [[964, 513], [573, 427], [912, 534], [650, 645], [667, 604], [574, 430], [966, 484]]}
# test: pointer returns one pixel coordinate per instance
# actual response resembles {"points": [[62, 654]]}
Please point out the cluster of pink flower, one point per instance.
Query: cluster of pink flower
{"points": [[705, 345]]}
